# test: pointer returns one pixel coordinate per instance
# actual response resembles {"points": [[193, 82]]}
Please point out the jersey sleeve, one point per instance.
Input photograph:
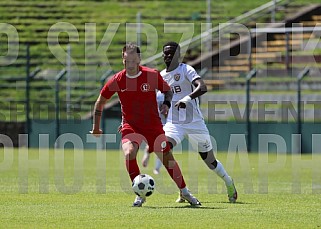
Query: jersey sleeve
{"points": [[110, 88], [162, 85], [191, 73]]}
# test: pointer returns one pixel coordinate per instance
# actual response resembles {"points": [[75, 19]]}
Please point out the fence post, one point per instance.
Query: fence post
{"points": [[28, 94], [68, 81], [57, 109], [287, 50], [29, 77], [249, 46], [139, 28], [300, 77], [273, 12], [249, 76]]}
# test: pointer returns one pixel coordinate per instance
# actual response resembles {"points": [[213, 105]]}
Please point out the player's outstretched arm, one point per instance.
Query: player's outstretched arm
{"points": [[98, 109], [200, 89]]}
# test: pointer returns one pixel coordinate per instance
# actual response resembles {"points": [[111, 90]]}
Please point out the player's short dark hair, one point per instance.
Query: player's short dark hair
{"points": [[131, 48], [173, 44]]}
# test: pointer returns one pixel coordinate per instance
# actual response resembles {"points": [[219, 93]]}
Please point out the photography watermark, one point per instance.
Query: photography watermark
{"points": [[96, 45], [213, 109], [66, 166]]}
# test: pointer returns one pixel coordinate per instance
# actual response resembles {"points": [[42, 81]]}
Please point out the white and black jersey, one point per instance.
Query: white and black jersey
{"points": [[180, 80]]}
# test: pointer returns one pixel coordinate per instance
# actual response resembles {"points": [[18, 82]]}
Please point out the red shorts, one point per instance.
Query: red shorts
{"points": [[155, 138]]}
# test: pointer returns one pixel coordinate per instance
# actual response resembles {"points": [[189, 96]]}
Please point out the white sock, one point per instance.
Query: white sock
{"points": [[220, 171], [158, 164], [146, 151], [184, 191]]}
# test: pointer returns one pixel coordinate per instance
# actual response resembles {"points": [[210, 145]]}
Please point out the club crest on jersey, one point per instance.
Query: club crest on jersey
{"points": [[177, 77], [163, 145], [145, 87]]}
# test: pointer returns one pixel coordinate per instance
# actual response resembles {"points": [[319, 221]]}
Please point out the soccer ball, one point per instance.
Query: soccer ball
{"points": [[143, 185]]}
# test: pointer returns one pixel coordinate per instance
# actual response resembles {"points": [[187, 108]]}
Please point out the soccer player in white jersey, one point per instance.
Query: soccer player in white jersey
{"points": [[185, 118]]}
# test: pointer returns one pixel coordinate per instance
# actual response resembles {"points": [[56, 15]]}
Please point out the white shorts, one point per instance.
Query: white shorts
{"points": [[196, 133]]}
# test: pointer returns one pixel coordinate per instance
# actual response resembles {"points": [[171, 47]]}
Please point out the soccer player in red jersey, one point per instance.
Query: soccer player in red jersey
{"points": [[136, 88]]}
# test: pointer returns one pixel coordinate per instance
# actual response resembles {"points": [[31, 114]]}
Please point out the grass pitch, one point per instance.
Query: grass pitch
{"points": [[91, 189]]}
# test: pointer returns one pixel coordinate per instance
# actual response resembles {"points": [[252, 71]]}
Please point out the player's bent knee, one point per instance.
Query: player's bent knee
{"points": [[203, 155], [209, 159]]}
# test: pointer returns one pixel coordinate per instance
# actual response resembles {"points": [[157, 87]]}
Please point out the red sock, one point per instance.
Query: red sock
{"points": [[176, 174], [132, 168]]}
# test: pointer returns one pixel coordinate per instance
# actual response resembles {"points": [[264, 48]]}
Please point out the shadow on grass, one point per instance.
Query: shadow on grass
{"points": [[226, 202], [185, 206]]}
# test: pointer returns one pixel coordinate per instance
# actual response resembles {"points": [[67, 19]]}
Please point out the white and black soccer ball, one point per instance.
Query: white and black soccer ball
{"points": [[143, 185]]}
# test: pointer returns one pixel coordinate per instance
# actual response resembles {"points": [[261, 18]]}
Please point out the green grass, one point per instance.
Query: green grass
{"points": [[280, 206]]}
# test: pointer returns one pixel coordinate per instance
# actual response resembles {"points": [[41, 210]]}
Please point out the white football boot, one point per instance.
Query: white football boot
{"points": [[138, 202], [190, 199], [180, 199]]}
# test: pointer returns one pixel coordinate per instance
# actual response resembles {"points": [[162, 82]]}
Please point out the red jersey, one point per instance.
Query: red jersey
{"points": [[137, 96]]}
